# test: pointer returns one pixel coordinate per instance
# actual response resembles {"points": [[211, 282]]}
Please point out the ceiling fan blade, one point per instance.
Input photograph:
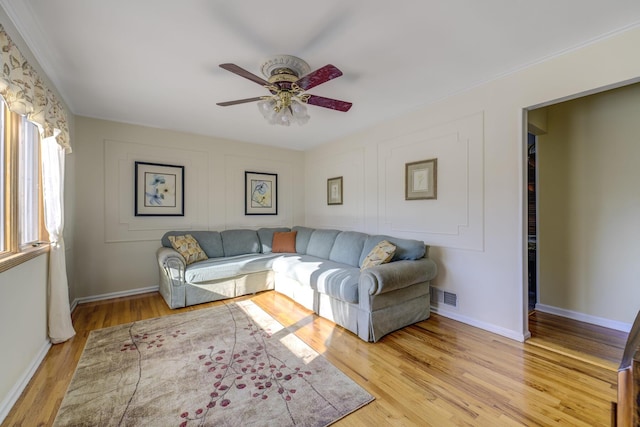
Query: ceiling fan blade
{"points": [[334, 104], [239, 101], [319, 76], [244, 73]]}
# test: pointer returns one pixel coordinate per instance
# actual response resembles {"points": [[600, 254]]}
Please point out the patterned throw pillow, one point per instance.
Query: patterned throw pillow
{"points": [[380, 254], [188, 247], [284, 241]]}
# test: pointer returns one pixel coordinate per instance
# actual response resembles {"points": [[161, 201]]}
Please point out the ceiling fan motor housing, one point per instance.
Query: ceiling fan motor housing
{"points": [[283, 75]]}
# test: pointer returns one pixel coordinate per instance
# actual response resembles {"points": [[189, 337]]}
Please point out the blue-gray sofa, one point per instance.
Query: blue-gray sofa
{"points": [[323, 275]]}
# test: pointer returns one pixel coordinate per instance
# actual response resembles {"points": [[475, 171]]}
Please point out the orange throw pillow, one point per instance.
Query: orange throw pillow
{"points": [[284, 241]]}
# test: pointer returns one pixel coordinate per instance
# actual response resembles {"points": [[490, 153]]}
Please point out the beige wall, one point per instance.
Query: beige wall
{"points": [[589, 206], [115, 250], [23, 333], [480, 251]]}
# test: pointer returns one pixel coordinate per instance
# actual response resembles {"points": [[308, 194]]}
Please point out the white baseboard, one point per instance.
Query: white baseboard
{"points": [[21, 384], [598, 321], [112, 295], [482, 325]]}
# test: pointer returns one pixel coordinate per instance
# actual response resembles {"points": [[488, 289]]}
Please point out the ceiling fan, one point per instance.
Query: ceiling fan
{"points": [[288, 79]]}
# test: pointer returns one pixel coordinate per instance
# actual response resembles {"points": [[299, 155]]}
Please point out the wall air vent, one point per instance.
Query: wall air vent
{"points": [[439, 297], [450, 298]]}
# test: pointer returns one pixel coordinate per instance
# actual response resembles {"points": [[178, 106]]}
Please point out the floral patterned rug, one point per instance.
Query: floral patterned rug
{"points": [[230, 365]]}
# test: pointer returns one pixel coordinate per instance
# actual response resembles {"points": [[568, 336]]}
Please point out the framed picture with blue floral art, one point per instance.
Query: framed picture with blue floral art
{"points": [[159, 189], [260, 193]]}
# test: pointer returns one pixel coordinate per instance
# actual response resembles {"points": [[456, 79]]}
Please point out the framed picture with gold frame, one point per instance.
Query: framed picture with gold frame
{"points": [[421, 180], [334, 191]]}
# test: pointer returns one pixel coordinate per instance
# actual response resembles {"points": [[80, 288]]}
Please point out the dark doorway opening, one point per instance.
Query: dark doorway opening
{"points": [[531, 220]]}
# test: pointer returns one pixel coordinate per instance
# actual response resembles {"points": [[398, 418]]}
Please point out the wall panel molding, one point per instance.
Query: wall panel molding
{"points": [[350, 216], [234, 196], [121, 225], [456, 218]]}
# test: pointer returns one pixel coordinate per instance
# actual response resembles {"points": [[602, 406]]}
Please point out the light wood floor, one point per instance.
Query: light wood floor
{"points": [[583, 341], [436, 373]]}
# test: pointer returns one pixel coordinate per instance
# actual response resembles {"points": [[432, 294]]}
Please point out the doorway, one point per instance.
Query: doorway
{"points": [[581, 222]]}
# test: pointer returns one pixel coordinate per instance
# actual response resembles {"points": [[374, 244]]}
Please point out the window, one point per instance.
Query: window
{"points": [[29, 184], [3, 170], [21, 206]]}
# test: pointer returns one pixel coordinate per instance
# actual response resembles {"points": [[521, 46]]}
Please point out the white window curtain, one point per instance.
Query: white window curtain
{"points": [[59, 319], [25, 93]]}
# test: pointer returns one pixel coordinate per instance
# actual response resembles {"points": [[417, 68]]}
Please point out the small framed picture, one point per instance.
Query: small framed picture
{"points": [[260, 193], [421, 180], [334, 191], [159, 189]]}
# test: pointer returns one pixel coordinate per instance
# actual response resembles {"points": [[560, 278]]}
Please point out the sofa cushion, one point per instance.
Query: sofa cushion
{"points": [[405, 248], [328, 277], [188, 247], [302, 238], [348, 247], [266, 237], [284, 242], [380, 254], [209, 241], [228, 267], [321, 242], [239, 242]]}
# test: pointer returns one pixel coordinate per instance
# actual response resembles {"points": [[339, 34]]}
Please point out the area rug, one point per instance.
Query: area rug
{"points": [[231, 365]]}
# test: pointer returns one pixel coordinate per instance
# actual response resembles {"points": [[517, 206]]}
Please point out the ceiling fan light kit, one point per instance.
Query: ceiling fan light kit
{"points": [[288, 99], [279, 112]]}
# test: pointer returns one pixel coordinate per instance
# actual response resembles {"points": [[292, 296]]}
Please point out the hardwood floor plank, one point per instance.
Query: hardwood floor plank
{"points": [[590, 343], [438, 372]]}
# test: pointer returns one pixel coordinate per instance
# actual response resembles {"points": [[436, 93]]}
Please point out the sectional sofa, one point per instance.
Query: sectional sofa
{"points": [[318, 268]]}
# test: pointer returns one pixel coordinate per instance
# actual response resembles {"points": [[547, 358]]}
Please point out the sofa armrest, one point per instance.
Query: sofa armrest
{"points": [[396, 275], [173, 264]]}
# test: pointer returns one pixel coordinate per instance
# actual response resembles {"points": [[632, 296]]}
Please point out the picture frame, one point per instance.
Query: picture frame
{"points": [[421, 180], [159, 189], [334, 191], [260, 193]]}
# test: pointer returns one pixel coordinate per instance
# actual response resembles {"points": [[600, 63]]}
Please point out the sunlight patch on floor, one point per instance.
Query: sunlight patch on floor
{"points": [[297, 347]]}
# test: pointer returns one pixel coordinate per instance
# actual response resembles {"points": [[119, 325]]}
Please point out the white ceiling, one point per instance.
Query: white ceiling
{"points": [[155, 62]]}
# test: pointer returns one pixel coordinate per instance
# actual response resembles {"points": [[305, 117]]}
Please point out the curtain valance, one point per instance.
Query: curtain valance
{"points": [[25, 93]]}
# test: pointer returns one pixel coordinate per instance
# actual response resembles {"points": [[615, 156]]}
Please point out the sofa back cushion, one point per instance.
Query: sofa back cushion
{"points": [[240, 242], [405, 248], [321, 242], [302, 238], [348, 247], [209, 241], [266, 237]]}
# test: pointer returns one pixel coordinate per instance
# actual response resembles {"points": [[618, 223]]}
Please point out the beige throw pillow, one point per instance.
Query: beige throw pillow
{"points": [[188, 247], [380, 254]]}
